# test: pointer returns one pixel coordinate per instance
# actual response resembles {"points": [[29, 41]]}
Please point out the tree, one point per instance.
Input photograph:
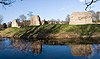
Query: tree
{"points": [[30, 13], [93, 15], [89, 3], [58, 20], [92, 11], [7, 2], [4, 25], [1, 19], [9, 24], [98, 15], [22, 17], [67, 18], [18, 20]]}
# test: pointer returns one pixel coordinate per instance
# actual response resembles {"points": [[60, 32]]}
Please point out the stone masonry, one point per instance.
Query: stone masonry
{"points": [[14, 23], [35, 20], [81, 18]]}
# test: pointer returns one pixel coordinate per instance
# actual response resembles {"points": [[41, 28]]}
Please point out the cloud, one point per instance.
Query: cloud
{"points": [[82, 0]]}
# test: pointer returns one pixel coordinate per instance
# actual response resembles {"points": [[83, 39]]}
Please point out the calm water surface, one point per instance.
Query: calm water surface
{"points": [[21, 49]]}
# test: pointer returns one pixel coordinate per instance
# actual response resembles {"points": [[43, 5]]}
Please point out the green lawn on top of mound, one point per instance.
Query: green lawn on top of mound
{"points": [[87, 29]]}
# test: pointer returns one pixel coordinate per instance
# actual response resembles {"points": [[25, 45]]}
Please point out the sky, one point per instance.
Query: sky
{"points": [[46, 9]]}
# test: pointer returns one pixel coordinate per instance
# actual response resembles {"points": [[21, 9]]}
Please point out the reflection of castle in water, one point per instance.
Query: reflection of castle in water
{"points": [[81, 50], [37, 47], [34, 47]]}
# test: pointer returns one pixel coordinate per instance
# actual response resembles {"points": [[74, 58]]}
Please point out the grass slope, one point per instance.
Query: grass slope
{"points": [[51, 29]]}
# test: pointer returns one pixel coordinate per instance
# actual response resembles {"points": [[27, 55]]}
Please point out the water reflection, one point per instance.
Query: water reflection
{"points": [[53, 48], [96, 49], [54, 42], [25, 46], [4, 44], [37, 47], [81, 50]]}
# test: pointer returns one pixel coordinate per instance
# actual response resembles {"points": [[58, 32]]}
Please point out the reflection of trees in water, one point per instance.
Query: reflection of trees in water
{"points": [[37, 47], [34, 47], [4, 44], [81, 50], [54, 42], [96, 49], [1, 45]]}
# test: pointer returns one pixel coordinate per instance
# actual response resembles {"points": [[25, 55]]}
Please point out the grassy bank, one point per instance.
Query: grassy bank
{"points": [[53, 31]]}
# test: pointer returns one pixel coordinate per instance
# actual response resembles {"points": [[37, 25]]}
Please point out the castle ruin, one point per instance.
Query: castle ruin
{"points": [[35, 20], [81, 18]]}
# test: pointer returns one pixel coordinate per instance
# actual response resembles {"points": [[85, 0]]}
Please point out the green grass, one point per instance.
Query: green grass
{"points": [[52, 29], [9, 31]]}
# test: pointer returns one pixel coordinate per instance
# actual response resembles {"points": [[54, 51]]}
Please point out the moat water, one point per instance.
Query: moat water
{"points": [[23, 49]]}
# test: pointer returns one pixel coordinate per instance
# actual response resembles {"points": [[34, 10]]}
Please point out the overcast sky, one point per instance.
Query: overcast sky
{"points": [[47, 9]]}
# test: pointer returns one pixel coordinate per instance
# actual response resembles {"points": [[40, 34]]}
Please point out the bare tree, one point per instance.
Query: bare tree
{"points": [[88, 3], [58, 20], [1, 19], [23, 19], [7, 2], [67, 18], [98, 15], [9, 24], [30, 13]]}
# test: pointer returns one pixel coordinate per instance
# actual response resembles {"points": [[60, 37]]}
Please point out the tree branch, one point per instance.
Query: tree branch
{"points": [[4, 3], [8, 2], [90, 3]]}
